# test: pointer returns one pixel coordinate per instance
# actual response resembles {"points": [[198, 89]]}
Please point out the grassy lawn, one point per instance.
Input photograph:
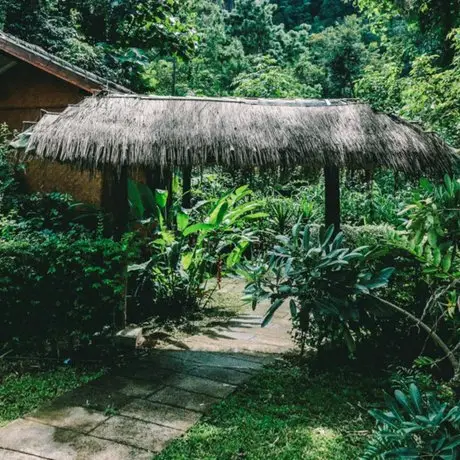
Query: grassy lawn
{"points": [[19, 394], [286, 412]]}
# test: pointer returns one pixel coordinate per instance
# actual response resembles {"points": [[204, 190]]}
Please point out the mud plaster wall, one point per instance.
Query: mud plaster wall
{"points": [[45, 176], [85, 187]]}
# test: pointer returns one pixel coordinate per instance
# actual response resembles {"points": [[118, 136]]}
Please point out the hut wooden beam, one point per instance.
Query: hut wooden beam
{"points": [[332, 197]]}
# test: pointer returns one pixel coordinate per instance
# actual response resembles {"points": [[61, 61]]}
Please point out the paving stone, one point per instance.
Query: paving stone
{"points": [[184, 399], [201, 385], [128, 387], [245, 322], [227, 361], [279, 343], [158, 367], [275, 350], [59, 444], [259, 358], [136, 433], [75, 418], [94, 398], [279, 333], [173, 417], [249, 316], [221, 374], [228, 334], [143, 370], [205, 343], [13, 455]]}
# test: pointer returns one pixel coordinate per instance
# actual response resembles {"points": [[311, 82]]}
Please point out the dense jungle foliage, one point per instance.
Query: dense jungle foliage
{"points": [[402, 56], [382, 295]]}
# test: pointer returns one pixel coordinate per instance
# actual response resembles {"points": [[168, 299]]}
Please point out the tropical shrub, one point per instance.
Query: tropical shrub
{"points": [[415, 425], [55, 288], [322, 280], [433, 224], [421, 375], [186, 254]]}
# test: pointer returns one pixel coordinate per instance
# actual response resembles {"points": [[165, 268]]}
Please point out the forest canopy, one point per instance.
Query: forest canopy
{"points": [[402, 56]]}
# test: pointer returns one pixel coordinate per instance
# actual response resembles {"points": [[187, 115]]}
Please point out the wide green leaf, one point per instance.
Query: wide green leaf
{"points": [[271, 311], [161, 198], [198, 228], [182, 221]]}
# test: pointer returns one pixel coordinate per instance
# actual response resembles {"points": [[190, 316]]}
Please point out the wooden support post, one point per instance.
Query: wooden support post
{"points": [[152, 177], [115, 199], [186, 187], [115, 203], [121, 203], [332, 196]]}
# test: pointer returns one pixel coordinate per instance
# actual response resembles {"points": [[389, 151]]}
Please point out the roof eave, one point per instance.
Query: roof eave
{"points": [[72, 75]]}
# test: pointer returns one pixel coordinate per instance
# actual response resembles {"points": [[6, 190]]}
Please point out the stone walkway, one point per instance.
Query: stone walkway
{"points": [[136, 411]]}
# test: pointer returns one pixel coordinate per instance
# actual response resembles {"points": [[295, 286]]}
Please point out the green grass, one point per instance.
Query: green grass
{"points": [[20, 394], [285, 413]]}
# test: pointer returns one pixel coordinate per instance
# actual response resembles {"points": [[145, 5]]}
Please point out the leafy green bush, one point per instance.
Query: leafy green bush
{"points": [[415, 426], [368, 235], [402, 378], [189, 251], [433, 224], [323, 282], [53, 287], [361, 235]]}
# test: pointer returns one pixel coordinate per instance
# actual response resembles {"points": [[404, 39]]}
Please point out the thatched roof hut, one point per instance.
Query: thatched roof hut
{"points": [[141, 131], [118, 132]]}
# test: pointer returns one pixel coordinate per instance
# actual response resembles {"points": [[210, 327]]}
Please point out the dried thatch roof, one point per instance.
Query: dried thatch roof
{"points": [[158, 131]]}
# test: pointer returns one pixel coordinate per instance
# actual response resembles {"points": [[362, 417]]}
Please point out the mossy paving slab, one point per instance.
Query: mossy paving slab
{"points": [[144, 370], [221, 374], [13, 455], [58, 444], [138, 433], [128, 387], [184, 399], [91, 397], [201, 385], [169, 416], [79, 419], [191, 359]]}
